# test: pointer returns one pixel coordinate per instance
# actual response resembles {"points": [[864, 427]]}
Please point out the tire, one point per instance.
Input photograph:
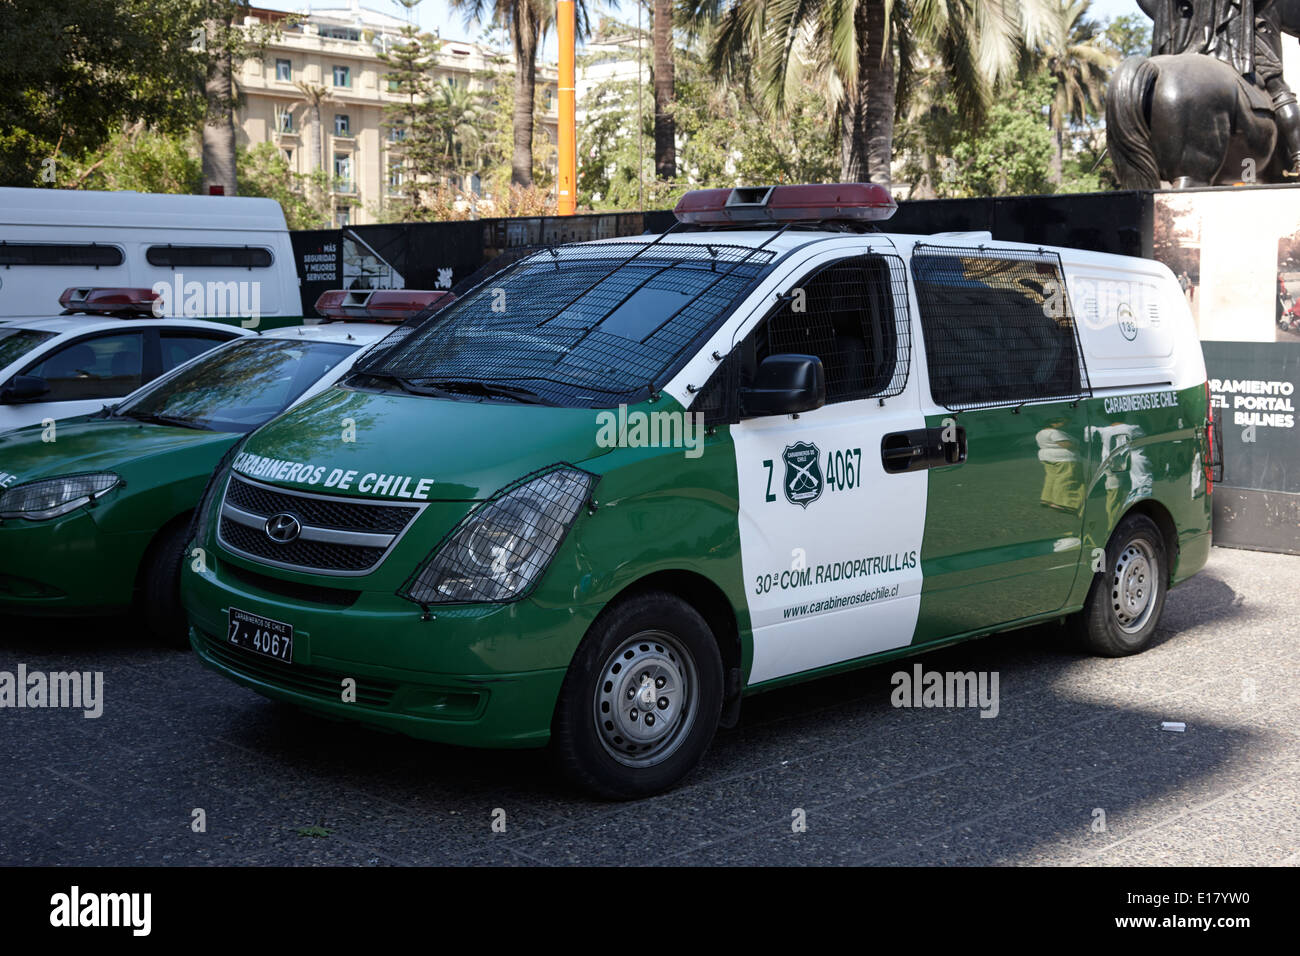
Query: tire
{"points": [[1127, 597], [160, 585], [644, 646]]}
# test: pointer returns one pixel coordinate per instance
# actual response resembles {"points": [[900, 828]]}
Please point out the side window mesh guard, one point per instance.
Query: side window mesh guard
{"points": [[998, 326]]}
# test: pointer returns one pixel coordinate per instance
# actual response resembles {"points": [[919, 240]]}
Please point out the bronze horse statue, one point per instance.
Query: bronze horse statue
{"points": [[1215, 110]]}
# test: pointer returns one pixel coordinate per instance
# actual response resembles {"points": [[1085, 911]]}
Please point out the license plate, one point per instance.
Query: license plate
{"points": [[261, 635]]}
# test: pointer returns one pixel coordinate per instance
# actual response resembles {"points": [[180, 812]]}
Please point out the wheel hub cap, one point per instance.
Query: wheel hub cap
{"points": [[1133, 587], [644, 702]]}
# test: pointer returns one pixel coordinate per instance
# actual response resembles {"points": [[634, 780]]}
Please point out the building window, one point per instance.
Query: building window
{"points": [[396, 177], [344, 216], [288, 157], [340, 33], [343, 172], [343, 76], [285, 123], [394, 86], [396, 134], [284, 71], [342, 125]]}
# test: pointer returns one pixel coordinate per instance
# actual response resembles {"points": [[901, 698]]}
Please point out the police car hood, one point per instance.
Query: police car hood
{"points": [[388, 445], [120, 445]]}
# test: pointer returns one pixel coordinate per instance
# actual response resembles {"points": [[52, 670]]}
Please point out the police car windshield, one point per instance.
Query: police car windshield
{"points": [[237, 387], [578, 326], [15, 343]]}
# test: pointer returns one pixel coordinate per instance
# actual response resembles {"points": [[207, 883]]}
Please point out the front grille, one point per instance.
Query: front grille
{"points": [[340, 536], [314, 555], [344, 515], [311, 681], [311, 593]]}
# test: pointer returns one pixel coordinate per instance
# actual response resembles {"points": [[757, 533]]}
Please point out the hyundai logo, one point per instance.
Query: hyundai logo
{"points": [[283, 528]]}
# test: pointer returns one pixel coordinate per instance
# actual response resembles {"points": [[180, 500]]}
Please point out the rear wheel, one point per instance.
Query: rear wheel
{"points": [[1128, 595], [641, 701]]}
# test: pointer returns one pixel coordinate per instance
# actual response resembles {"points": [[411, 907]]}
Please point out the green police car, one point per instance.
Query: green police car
{"points": [[94, 510], [621, 485]]}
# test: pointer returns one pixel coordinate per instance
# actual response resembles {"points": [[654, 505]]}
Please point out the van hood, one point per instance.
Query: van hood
{"points": [[119, 445], [411, 447]]}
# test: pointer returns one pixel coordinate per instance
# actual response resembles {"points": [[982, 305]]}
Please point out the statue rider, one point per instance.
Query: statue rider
{"points": [[1245, 34]]}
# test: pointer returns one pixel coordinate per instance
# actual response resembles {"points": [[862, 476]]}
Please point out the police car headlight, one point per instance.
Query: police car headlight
{"points": [[500, 550], [52, 497]]}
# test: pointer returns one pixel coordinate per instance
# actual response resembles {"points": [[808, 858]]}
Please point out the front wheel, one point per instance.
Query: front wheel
{"points": [[1127, 596], [641, 701]]}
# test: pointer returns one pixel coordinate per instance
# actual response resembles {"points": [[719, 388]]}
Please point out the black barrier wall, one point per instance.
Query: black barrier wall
{"points": [[1256, 506]]}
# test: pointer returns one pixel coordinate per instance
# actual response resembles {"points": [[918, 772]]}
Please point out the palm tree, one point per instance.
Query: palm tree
{"points": [[460, 111], [315, 96], [665, 94], [527, 22], [219, 122], [1076, 58], [868, 48]]}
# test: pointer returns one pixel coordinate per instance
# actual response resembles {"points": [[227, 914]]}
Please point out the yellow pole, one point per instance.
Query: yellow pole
{"points": [[568, 145]]}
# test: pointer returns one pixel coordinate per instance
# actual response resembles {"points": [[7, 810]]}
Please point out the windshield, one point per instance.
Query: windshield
{"points": [[237, 387], [582, 326], [15, 343]]}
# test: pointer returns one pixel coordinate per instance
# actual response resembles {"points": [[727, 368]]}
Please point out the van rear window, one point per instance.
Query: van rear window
{"points": [[997, 325], [240, 257], [580, 326], [59, 254]]}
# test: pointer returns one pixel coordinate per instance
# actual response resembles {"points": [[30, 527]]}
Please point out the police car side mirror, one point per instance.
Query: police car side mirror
{"points": [[23, 388], [785, 385]]}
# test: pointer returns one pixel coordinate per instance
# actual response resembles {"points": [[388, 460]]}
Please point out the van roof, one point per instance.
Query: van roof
{"points": [[78, 207], [903, 242]]}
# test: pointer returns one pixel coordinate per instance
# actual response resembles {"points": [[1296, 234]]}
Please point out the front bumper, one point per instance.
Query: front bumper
{"points": [[484, 676], [67, 566]]}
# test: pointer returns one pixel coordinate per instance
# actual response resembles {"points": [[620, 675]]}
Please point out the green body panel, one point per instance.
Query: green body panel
{"points": [[658, 511], [1017, 543], [88, 560], [995, 547]]}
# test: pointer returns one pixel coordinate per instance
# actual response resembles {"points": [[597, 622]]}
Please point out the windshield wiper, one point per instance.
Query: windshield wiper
{"points": [[153, 418], [487, 389]]}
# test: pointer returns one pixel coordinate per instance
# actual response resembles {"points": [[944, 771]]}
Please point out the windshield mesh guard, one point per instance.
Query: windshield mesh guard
{"points": [[583, 324]]}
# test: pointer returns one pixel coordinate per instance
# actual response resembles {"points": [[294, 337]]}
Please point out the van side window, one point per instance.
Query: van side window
{"points": [[997, 325], [242, 257], [844, 313], [59, 254]]}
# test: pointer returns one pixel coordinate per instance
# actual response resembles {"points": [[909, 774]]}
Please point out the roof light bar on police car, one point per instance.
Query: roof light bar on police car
{"points": [[379, 305], [859, 202], [109, 300]]}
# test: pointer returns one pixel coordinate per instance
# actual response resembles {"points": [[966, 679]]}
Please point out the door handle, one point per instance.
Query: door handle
{"points": [[921, 448]]}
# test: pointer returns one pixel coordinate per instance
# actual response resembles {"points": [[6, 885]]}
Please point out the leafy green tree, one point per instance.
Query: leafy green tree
{"points": [[141, 159], [304, 197], [413, 123], [73, 72], [869, 47], [1076, 58], [1129, 35], [1012, 154]]}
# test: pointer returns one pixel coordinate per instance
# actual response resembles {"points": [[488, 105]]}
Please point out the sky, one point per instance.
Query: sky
{"points": [[439, 15]]}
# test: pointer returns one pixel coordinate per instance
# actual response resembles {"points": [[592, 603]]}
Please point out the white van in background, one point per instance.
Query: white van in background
{"points": [[55, 239]]}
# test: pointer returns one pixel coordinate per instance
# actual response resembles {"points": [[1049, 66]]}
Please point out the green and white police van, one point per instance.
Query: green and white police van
{"points": [[621, 485]]}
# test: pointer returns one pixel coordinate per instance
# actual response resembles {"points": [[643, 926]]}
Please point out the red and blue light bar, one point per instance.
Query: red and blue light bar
{"points": [[379, 305], [817, 202]]}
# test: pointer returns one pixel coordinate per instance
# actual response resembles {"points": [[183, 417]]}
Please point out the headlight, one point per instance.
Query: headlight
{"points": [[51, 497], [499, 551]]}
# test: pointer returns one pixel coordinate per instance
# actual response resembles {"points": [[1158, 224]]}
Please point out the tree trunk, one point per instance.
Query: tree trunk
{"points": [[1058, 145], [219, 124], [525, 30], [665, 128], [867, 117]]}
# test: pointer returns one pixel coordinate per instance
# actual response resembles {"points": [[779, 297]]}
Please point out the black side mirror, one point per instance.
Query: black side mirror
{"points": [[23, 388], [785, 385]]}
